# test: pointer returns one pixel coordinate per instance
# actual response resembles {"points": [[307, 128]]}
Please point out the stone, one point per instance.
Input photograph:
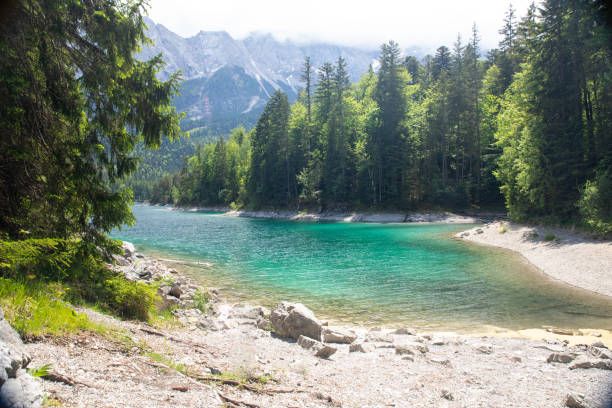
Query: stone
{"points": [[411, 348], [378, 337], [21, 392], [586, 363], [599, 352], [326, 351], [262, 323], [308, 343], [247, 312], [175, 290], [336, 335], [128, 249], [599, 344], [361, 347], [405, 330], [447, 395], [408, 358], [294, 320], [576, 401], [564, 358], [181, 388], [562, 332], [484, 348]]}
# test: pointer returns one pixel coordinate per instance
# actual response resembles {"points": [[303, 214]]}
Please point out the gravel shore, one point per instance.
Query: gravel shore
{"points": [[568, 257]]}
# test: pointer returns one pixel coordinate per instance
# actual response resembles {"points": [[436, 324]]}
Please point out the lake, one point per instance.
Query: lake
{"points": [[366, 273]]}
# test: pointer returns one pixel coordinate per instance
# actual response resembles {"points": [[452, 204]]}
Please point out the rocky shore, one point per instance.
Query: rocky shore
{"points": [[238, 355]]}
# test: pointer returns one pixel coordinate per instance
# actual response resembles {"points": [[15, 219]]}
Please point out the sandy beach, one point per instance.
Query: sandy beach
{"points": [[567, 257]]}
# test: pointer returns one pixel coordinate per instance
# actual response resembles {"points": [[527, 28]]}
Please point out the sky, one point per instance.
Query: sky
{"points": [[365, 24]]}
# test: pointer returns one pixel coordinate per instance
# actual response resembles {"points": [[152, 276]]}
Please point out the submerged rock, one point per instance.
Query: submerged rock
{"points": [[295, 320]]}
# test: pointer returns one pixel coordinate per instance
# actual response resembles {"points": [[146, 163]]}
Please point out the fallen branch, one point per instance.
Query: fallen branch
{"points": [[57, 377], [237, 402]]}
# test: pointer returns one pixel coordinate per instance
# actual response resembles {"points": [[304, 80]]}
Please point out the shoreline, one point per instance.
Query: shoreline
{"points": [[563, 256], [399, 217], [243, 353]]}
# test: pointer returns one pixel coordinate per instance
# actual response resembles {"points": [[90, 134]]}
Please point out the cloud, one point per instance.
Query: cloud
{"points": [[358, 23]]}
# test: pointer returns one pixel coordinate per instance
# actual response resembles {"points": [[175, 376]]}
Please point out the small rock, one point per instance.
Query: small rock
{"points": [[596, 334], [484, 348], [214, 371], [576, 401], [326, 351], [378, 337], [181, 388], [438, 342], [599, 344], [447, 395], [308, 343], [562, 332], [336, 335], [361, 347], [599, 352], [586, 363], [516, 359], [405, 330], [410, 348], [175, 290], [408, 358], [561, 358]]}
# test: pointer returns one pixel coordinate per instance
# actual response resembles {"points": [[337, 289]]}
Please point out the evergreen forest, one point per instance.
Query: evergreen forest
{"points": [[528, 125]]}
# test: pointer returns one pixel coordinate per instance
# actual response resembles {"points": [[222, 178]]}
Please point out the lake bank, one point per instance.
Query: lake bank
{"points": [[562, 255], [404, 367]]}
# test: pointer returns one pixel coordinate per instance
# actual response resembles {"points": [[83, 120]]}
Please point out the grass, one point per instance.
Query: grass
{"points": [[37, 309], [167, 361]]}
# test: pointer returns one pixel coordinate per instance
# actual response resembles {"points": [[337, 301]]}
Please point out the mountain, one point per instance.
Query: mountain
{"points": [[228, 82]]}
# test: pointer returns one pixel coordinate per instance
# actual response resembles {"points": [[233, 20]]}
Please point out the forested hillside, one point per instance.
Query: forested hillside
{"points": [[530, 124]]}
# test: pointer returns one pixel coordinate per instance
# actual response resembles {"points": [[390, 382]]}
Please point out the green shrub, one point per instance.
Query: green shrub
{"points": [[128, 299], [550, 237], [595, 205], [200, 300]]}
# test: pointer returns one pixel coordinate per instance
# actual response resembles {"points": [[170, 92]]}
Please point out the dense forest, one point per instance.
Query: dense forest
{"points": [[529, 123]]}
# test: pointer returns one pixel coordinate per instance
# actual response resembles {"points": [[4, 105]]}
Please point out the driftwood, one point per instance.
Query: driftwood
{"points": [[57, 377], [237, 402]]}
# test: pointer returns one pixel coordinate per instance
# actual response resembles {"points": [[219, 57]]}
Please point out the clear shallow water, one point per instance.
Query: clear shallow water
{"points": [[367, 273]]}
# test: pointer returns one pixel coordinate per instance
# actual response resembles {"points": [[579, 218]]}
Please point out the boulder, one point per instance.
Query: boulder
{"points": [[294, 320], [561, 358], [24, 391], [361, 347], [128, 249], [337, 335]]}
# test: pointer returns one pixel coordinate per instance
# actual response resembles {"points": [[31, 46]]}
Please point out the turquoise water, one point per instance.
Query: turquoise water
{"points": [[366, 273]]}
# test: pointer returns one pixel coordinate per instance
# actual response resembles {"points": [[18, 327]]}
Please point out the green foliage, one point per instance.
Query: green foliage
{"points": [[41, 371], [200, 300], [127, 299], [549, 236], [75, 102], [596, 202], [81, 272], [35, 309]]}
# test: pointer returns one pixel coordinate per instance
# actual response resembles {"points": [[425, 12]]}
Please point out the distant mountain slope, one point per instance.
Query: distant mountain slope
{"points": [[228, 80]]}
